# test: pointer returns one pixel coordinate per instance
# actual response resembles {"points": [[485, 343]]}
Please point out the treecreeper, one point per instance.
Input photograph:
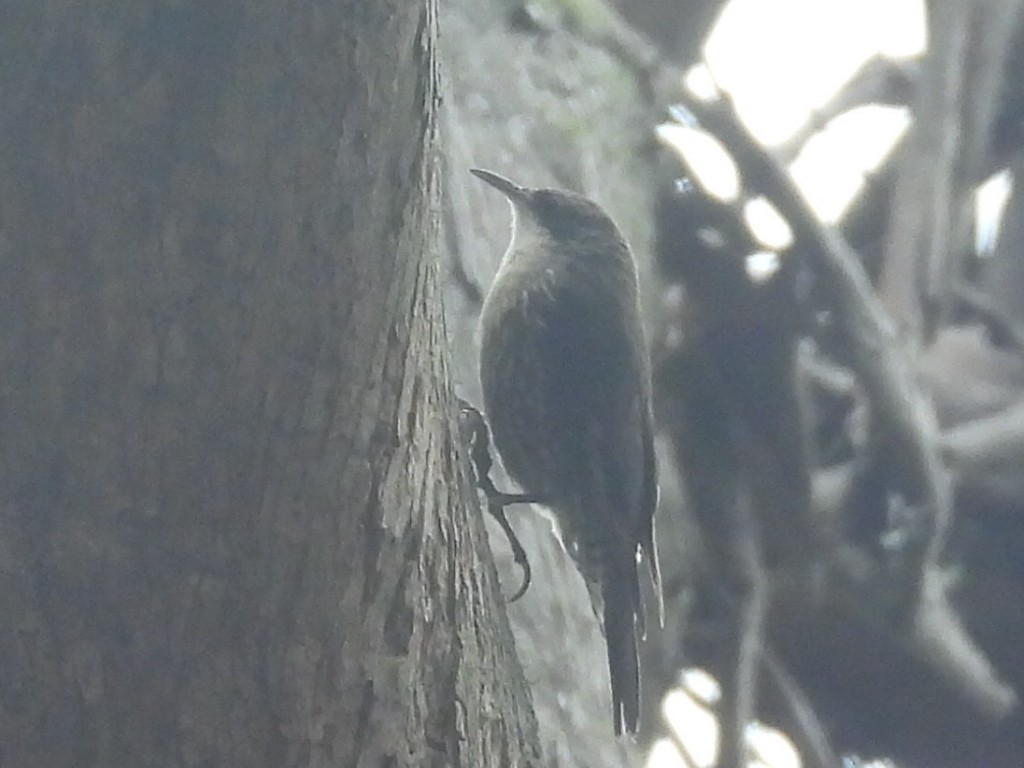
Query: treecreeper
{"points": [[566, 382]]}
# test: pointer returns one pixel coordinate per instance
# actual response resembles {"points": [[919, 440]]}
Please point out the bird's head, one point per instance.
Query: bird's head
{"points": [[553, 217]]}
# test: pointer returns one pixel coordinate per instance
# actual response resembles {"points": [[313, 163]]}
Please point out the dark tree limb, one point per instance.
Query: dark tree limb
{"points": [[740, 684], [901, 413], [902, 418], [945, 154], [877, 356]]}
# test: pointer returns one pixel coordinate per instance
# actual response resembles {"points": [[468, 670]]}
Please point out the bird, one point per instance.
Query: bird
{"points": [[566, 381]]}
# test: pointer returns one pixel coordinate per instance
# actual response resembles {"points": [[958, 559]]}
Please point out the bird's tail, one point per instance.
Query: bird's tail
{"points": [[622, 612]]}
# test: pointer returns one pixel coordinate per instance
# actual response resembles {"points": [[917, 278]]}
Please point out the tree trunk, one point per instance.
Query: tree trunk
{"points": [[233, 527]]}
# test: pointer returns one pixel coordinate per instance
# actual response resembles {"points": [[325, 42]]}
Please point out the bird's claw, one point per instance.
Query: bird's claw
{"points": [[478, 436]]}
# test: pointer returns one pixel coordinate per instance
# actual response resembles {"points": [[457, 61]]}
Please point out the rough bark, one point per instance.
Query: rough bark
{"points": [[233, 518]]}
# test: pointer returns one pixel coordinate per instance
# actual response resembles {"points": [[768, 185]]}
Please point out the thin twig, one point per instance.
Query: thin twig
{"points": [[810, 736], [682, 748], [880, 80]]}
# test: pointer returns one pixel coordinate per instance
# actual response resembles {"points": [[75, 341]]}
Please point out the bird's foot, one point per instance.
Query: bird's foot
{"points": [[478, 437]]}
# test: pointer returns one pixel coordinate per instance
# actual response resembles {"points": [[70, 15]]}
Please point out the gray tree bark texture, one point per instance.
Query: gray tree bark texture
{"points": [[234, 526]]}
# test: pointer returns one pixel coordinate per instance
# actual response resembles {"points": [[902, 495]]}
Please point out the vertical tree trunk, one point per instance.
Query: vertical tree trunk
{"points": [[232, 528]]}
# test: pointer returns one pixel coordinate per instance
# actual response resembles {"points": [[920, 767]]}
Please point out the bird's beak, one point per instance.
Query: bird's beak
{"points": [[510, 189]]}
